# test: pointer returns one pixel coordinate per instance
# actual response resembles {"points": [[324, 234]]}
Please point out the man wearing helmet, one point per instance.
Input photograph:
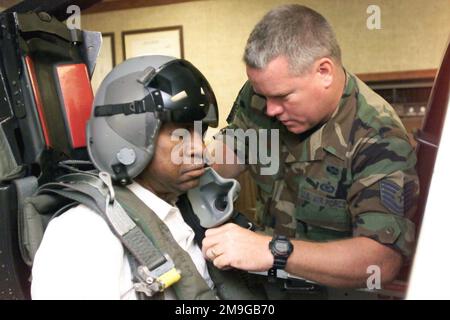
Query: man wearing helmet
{"points": [[130, 138]]}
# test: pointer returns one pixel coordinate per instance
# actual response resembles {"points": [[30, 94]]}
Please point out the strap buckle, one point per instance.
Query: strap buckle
{"points": [[134, 107], [298, 285], [158, 279], [291, 282], [106, 178]]}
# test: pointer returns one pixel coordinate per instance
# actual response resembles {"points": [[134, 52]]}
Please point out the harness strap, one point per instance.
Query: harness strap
{"points": [[191, 286], [156, 270]]}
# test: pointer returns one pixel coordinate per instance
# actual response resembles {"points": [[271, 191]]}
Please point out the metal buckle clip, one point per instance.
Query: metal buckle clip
{"points": [[294, 284], [157, 280], [106, 178]]}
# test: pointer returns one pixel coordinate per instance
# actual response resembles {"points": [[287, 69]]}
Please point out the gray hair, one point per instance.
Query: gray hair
{"points": [[297, 32]]}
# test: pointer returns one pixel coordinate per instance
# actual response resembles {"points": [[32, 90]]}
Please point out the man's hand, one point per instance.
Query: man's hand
{"points": [[230, 246], [341, 263]]}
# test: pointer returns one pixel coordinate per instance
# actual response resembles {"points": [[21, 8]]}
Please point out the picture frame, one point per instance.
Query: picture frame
{"points": [[106, 60], [161, 41]]}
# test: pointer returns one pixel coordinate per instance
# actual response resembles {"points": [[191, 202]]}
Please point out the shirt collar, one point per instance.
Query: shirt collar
{"points": [[151, 200]]}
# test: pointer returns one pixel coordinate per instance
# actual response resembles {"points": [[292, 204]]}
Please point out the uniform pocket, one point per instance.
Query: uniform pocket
{"points": [[319, 210]]}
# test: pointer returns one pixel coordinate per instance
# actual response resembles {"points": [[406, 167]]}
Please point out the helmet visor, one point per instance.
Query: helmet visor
{"points": [[187, 95]]}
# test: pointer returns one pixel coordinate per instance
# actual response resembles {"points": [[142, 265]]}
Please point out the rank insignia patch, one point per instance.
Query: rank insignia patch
{"points": [[392, 197]]}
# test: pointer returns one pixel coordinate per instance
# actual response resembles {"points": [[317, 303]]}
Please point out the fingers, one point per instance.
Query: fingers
{"points": [[220, 237], [212, 238], [221, 262], [211, 254], [213, 241], [219, 230], [217, 258]]}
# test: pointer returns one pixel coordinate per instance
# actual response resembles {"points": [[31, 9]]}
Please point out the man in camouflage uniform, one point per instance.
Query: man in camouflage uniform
{"points": [[346, 183]]}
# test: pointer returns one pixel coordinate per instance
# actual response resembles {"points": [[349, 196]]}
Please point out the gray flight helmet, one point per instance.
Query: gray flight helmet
{"points": [[132, 103]]}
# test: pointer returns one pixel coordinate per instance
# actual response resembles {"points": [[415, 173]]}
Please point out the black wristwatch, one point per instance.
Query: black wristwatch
{"points": [[281, 248]]}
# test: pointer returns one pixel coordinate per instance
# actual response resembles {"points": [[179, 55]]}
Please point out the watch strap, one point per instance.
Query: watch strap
{"points": [[279, 262]]}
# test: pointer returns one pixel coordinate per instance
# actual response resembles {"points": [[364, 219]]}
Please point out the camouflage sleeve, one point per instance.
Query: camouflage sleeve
{"points": [[384, 193]]}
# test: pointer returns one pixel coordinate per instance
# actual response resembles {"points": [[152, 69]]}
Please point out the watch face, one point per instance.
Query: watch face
{"points": [[282, 247]]}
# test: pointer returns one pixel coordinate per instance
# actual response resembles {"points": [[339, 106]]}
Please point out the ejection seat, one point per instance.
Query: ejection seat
{"points": [[45, 102]]}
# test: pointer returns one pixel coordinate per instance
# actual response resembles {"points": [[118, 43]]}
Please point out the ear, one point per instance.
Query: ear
{"points": [[325, 69]]}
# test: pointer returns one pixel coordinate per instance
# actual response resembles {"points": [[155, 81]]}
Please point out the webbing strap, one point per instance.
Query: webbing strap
{"points": [[151, 103], [191, 285], [140, 246], [88, 190]]}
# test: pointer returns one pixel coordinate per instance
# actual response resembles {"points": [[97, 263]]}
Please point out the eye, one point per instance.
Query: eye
{"points": [[283, 96]]}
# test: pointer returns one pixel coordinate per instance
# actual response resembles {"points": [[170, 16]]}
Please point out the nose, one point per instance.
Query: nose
{"points": [[196, 147], [273, 108]]}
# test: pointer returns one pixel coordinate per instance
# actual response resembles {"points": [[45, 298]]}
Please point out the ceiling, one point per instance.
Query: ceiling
{"points": [[110, 5]]}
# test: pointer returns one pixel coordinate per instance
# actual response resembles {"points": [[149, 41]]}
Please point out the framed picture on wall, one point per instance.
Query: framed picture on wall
{"points": [[105, 61], [165, 41]]}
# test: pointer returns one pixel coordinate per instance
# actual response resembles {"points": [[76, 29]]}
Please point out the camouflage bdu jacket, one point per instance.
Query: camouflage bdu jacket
{"points": [[353, 176]]}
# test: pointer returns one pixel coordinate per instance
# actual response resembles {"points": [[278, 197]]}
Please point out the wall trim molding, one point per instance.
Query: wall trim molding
{"points": [[410, 75]]}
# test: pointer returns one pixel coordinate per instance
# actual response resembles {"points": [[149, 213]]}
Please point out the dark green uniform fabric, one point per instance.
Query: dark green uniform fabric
{"points": [[353, 176]]}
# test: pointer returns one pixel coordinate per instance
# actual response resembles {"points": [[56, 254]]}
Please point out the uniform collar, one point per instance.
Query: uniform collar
{"points": [[331, 137]]}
